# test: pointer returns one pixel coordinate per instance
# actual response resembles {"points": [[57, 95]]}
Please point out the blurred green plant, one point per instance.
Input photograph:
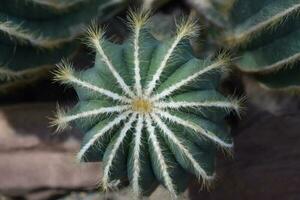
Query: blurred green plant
{"points": [[262, 34], [265, 34], [213, 11], [150, 110], [36, 34]]}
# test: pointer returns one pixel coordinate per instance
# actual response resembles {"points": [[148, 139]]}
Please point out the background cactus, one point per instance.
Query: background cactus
{"points": [[213, 11], [39, 33], [150, 109], [265, 34]]}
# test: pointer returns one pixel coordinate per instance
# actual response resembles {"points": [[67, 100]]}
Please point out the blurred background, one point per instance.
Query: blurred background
{"points": [[36, 164]]}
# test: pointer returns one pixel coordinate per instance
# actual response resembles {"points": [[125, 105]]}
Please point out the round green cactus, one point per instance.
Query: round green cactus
{"points": [[150, 109]]}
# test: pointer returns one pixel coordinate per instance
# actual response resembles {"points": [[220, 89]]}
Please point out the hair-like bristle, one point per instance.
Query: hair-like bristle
{"points": [[94, 34], [224, 59], [239, 105], [15, 31], [57, 120], [137, 18], [235, 40], [64, 72], [24, 36], [208, 184], [187, 27], [23, 75], [112, 186], [7, 74], [225, 56], [228, 152]]}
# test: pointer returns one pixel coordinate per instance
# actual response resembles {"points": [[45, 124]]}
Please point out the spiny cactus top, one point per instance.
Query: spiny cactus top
{"points": [[149, 108]]}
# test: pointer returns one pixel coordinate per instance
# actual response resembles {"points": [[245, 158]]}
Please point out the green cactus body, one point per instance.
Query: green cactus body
{"points": [[40, 9], [56, 29], [214, 11], [39, 33], [149, 109], [16, 81], [266, 35]]}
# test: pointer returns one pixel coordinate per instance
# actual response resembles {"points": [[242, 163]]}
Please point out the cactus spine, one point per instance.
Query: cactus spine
{"points": [[149, 109]]}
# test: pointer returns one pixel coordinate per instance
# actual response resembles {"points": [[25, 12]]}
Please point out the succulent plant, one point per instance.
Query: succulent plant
{"points": [[265, 34], [13, 82], [214, 11], [39, 33], [150, 109]]}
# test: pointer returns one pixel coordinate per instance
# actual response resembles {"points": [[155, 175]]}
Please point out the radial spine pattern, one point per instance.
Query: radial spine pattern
{"points": [[149, 108]]}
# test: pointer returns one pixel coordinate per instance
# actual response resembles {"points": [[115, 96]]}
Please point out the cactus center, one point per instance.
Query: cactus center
{"points": [[141, 105]]}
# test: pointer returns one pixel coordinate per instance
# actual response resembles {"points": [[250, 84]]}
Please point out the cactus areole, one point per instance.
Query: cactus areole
{"points": [[149, 109]]}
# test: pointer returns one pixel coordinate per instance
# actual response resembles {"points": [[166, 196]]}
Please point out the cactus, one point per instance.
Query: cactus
{"points": [[214, 11], [16, 81], [39, 33], [265, 34], [150, 109]]}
